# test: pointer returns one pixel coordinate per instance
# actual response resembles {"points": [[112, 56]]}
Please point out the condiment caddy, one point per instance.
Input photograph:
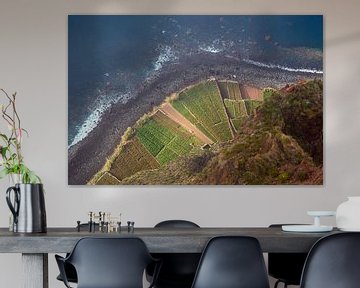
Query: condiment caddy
{"points": [[104, 222]]}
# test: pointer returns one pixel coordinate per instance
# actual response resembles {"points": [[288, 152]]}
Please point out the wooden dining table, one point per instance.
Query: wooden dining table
{"points": [[35, 247]]}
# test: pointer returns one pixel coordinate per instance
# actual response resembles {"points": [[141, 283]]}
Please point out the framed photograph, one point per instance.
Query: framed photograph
{"points": [[197, 100]]}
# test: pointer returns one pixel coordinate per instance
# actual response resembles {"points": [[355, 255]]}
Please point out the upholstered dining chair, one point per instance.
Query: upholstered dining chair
{"points": [[178, 269], [286, 267], [108, 263], [333, 262], [232, 262]]}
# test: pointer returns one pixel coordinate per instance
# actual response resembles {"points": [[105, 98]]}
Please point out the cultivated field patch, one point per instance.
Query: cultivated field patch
{"points": [[174, 115], [202, 105], [230, 90], [133, 157], [165, 139], [237, 112]]}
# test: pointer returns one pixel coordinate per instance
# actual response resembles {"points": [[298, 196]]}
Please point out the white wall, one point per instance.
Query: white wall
{"points": [[33, 62]]}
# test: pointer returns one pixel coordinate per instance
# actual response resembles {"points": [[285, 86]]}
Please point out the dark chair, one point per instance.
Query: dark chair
{"points": [[70, 273], [108, 263], [232, 262], [286, 267], [333, 262], [69, 269], [178, 269], [176, 224]]}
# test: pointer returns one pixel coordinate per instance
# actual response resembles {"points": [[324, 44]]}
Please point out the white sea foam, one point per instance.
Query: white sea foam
{"points": [[275, 66], [166, 55], [103, 103], [216, 46], [209, 48]]}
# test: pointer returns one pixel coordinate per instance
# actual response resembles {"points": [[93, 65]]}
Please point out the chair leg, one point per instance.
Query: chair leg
{"points": [[278, 282]]}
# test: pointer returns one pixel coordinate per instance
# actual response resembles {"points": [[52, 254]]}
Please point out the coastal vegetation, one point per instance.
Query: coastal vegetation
{"points": [[224, 132]]}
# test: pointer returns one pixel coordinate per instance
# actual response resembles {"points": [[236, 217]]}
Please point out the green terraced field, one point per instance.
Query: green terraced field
{"points": [[132, 158], [188, 115], [230, 90], [237, 123], [154, 136], [237, 112], [223, 89], [165, 139], [235, 109], [202, 105]]}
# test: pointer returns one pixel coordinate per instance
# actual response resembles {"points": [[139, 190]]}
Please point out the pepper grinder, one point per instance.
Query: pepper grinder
{"points": [[131, 226], [100, 221], [78, 226], [90, 221]]}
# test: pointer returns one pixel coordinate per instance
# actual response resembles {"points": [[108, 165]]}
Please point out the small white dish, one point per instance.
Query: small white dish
{"points": [[316, 227], [321, 213], [306, 228], [350, 229]]}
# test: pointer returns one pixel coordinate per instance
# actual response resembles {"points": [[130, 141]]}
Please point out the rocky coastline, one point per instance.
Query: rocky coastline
{"points": [[89, 155]]}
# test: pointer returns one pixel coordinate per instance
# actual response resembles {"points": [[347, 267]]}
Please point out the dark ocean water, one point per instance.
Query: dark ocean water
{"points": [[110, 56]]}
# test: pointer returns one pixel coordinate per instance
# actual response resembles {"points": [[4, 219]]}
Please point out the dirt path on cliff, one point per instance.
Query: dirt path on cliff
{"points": [[174, 115]]}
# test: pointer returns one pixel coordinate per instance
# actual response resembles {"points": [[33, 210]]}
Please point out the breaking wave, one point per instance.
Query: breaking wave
{"points": [[166, 55], [210, 49], [275, 66], [103, 103]]}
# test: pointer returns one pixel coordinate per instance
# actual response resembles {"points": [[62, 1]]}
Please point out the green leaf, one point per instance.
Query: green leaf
{"points": [[26, 132], [28, 176], [24, 178], [3, 151], [33, 178], [15, 169], [4, 137], [13, 156]]}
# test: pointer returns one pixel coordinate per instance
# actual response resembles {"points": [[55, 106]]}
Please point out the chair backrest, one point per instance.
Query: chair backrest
{"points": [[110, 262], [232, 262], [286, 266], [177, 268], [176, 224], [333, 262]]}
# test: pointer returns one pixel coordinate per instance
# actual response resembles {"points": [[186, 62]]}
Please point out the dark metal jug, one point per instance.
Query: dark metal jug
{"points": [[28, 207]]}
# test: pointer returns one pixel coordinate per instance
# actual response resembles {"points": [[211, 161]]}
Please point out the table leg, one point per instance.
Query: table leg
{"points": [[35, 270]]}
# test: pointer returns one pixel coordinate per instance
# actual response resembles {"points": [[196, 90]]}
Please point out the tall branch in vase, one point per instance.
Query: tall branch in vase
{"points": [[12, 161]]}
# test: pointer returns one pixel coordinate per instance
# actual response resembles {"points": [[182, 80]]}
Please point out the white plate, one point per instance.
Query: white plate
{"points": [[350, 229], [306, 228], [321, 213]]}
